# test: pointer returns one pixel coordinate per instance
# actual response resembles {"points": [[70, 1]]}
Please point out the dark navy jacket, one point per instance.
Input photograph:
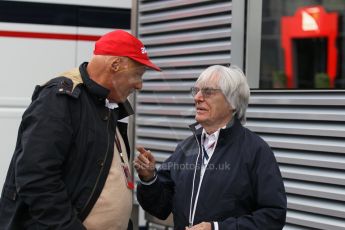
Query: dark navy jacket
{"points": [[242, 187], [63, 155]]}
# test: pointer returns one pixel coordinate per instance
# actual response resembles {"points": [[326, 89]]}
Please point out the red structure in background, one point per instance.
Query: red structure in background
{"points": [[310, 22]]}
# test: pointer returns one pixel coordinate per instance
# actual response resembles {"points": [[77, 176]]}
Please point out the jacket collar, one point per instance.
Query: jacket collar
{"points": [[91, 85], [125, 109], [196, 128], [233, 125]]}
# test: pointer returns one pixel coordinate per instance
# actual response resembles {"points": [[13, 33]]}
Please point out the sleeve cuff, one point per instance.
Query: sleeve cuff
{"points": [[215, 226], [150, 181]]}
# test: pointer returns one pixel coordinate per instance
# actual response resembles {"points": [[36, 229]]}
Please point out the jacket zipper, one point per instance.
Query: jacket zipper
{"points": [[100, 172], [192, 206]]}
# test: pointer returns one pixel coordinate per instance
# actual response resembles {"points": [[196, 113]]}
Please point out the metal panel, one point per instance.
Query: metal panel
{"points": [[313, 174], [310, 158], [317, 206], [183, 37], [253, 42], [187, 36], [324, 191], [185, 13], [306, 131], [186, 25], [335, 129], [237, 34], [315, 221], [190, 61], [204, 47], [172, 74], [157, 5]]}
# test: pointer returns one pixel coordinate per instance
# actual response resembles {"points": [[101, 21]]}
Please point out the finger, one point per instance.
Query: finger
{"points": [[143, 163], [144, 152], [141, 168], [139, 161], [137, 165], [150, 156], [136, 162], [143, 159], [141, 150]]}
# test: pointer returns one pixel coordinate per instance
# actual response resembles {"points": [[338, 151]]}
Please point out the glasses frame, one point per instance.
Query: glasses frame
{"points": [[205, 92]]}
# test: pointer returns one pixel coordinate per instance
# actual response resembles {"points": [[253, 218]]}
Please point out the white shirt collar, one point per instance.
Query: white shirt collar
{"points": [[110, 105], [215, 134]]}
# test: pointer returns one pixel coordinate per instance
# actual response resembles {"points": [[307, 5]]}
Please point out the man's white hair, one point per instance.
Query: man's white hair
{"points": [[233, 84]]}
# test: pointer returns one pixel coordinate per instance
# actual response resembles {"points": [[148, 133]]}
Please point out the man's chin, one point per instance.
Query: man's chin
{"points": [[117, 99], [198, 119], [114, 101]]}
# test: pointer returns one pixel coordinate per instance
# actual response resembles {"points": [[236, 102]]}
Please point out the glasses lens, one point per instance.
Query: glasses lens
{"points": [[207, 92], [194, 91]]}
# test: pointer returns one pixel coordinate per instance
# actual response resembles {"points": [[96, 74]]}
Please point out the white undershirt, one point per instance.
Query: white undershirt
{"points": [[113, 207]]}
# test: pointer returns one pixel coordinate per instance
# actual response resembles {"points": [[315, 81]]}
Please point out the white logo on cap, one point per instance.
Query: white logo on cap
{"points": [[143, 50]]}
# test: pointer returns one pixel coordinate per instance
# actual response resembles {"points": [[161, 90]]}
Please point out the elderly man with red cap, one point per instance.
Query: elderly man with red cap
{"points": [[70, 169]]}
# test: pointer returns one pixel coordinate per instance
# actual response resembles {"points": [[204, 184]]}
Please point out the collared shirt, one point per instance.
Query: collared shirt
{"points": [[206, 139]]}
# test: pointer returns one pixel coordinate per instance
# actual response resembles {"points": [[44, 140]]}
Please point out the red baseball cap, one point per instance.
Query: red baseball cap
{"points": [[123, 44]]}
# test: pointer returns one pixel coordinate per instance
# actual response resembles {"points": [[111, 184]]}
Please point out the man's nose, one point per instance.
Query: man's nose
{"points": [[198, 96]]}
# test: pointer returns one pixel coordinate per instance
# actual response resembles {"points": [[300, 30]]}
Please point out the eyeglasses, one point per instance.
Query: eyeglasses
{"points": [[206, 92]]}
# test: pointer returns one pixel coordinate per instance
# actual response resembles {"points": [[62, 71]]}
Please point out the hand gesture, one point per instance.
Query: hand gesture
{"points": [[145, 164], [201, 226]]}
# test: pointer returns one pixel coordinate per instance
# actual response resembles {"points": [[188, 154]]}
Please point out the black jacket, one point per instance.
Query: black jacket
{"points": [[63, 155], [242, 187]]}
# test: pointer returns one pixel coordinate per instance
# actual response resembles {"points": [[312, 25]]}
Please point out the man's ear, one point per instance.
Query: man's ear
{"points": [[115, 64]]}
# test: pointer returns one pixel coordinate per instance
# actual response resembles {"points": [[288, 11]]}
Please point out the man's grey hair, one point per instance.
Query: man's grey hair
{"points": [[233, 84]]}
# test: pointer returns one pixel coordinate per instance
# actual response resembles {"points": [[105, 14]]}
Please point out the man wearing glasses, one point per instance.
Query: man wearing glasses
{"points": [[223, 176]]}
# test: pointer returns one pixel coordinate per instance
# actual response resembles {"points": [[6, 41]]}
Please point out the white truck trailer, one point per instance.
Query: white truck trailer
{"points": [[39, 40]]}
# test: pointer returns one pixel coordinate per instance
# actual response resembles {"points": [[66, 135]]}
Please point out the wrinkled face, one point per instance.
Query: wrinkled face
{"points": [[126, 80], [212, 108]]}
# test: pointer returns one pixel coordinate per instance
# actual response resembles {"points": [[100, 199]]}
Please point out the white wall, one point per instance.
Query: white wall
{"points": [[9, 122], [27, 62]]}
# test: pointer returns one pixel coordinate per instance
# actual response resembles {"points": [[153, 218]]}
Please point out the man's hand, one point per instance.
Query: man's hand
{"points": [[145, 164], [201, 226]]}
